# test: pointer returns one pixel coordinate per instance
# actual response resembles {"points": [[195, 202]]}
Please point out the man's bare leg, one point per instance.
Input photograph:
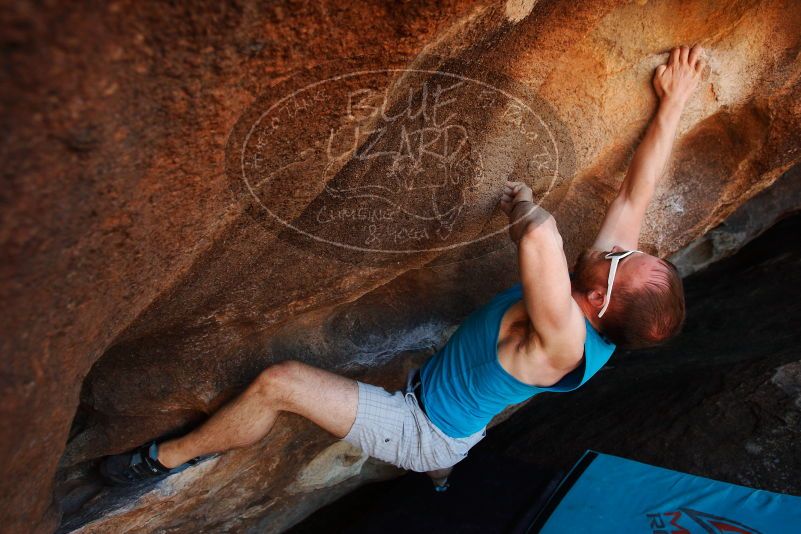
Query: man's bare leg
{"points": [[325, 398]]}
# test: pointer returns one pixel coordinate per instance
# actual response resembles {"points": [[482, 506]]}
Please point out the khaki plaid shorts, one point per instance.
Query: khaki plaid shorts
{"points": [[392, 427]]}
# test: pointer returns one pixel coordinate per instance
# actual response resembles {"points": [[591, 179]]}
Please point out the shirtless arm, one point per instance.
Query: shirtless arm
{"points": [[556, 318], [673, 83]]}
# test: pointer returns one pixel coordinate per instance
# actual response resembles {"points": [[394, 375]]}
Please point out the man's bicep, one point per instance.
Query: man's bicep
{"points": [[621, 225], [546, 280]]}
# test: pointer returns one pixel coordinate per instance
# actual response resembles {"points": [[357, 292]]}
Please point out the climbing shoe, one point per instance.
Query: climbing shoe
{"points": [[138, 465]]}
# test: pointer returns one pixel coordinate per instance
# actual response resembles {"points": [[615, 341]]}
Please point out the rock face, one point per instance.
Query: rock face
{"points": [[195, 192], [747, 222]]}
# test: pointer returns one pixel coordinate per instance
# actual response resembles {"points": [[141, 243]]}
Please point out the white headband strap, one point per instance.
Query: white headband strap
{"points": [[611, 280]]}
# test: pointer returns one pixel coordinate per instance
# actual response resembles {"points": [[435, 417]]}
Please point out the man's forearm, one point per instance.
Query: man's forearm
{"points": [[651, 157], [525, 216]]}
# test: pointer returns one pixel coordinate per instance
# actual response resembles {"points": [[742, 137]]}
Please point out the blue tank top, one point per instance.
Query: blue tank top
{"points": [[464, 385]]}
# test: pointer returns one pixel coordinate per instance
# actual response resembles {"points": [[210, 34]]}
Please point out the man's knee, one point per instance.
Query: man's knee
{"points": [[276, 382]]}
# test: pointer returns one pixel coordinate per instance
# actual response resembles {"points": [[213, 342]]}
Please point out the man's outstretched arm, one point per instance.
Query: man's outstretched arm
{"points": [[673, 83]]}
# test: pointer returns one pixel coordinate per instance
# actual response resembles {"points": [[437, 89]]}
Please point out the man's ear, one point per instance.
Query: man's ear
{"points": [[596, 299]]}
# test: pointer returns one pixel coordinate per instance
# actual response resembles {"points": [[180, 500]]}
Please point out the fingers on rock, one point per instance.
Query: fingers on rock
{"points": [[695, 53], [700, 65], [674, 56]]}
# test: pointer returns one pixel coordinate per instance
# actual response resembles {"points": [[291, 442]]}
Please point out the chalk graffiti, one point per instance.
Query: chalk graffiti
{"points": [[407, 162]]}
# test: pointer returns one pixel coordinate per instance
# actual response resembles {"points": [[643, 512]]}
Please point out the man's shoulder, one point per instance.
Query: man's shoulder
{"points": [[595, 351], [566, 352]]}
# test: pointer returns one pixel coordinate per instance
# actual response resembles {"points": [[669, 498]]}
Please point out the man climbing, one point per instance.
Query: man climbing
{"points": [[550, 332]]}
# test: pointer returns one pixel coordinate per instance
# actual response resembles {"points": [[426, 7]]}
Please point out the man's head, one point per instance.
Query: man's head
{"points": [[647, 302]]}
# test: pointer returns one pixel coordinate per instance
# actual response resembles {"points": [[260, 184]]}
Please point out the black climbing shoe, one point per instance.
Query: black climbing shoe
{"points": [[137, 465]]}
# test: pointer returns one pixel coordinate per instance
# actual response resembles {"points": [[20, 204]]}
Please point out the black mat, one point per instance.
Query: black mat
{"points": [[487, 493]]}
